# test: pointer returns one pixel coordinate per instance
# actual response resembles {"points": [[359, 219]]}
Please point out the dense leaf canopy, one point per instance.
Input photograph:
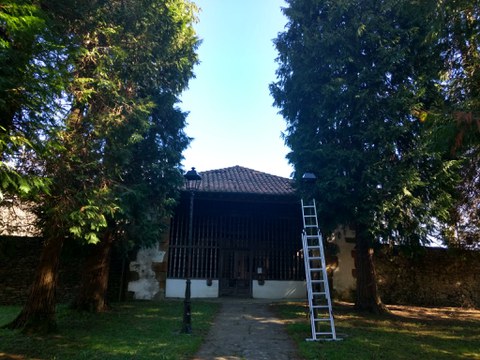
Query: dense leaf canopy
{"points": [[351, 77], [90, 120], [381, 104], [89, 108], [455, 122]]}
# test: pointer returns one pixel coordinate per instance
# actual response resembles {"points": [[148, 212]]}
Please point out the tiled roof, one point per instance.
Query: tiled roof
{"points": [[237, 179]]}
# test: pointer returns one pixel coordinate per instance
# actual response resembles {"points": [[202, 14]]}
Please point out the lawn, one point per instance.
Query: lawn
{"points": [[136, 330], [407, 333], [150, 330]]}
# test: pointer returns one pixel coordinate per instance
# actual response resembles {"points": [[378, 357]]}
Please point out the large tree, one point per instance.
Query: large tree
{"points": [[455, 122], [351, 77], [115, 157], [34, 70], [141, 163]]}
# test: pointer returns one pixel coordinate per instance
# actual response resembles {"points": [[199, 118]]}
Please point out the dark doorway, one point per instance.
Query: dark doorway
{"points": [[235, 273]]}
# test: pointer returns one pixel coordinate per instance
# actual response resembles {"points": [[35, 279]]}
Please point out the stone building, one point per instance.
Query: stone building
{"points": [[246, 242]]}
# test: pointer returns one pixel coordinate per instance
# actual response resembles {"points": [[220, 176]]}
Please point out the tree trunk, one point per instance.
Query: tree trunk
{"points": [[38, 314], [93, 291], [367, 297]]}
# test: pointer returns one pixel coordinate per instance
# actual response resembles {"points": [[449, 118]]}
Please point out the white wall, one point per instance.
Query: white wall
{"points": [[343, 280], [199, 288], [273, 289], [147, 286], [270, 289]]}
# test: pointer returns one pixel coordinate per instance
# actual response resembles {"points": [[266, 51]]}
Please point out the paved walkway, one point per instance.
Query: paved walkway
{"points": [[246, 329]]}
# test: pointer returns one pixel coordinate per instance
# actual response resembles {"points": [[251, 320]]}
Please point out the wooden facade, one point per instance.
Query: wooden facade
{"points": [[237, 238]]}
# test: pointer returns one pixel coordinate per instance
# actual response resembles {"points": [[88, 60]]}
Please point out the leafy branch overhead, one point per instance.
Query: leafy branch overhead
{"points": [[365, 89], [93, 91]]}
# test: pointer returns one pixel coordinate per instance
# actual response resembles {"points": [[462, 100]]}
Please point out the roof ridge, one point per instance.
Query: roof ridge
{"points": [[243, 168], [240, 179]]}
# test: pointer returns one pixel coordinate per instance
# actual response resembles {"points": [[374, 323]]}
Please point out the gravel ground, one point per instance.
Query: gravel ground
{"points": [[246, 329]]}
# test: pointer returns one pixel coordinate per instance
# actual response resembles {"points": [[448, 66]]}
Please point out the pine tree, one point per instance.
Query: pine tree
{"points": [[351, 77], [114, 159]]}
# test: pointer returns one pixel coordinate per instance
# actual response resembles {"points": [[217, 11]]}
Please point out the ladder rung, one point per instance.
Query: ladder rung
{"points": [[318, 291]]}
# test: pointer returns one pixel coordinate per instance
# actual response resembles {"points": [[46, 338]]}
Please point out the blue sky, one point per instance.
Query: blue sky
{"points": [[232, 119]]}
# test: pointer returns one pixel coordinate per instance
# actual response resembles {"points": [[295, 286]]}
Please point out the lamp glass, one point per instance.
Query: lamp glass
{"points": [[192, 179], [309, 177]]}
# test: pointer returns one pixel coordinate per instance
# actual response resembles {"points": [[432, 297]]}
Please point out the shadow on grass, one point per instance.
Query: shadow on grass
{"points": [[139, 330], [406, 333]]}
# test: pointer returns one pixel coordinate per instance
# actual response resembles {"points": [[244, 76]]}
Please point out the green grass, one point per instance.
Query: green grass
{"points": [[150, 330], [408, 333], [136, 330]]}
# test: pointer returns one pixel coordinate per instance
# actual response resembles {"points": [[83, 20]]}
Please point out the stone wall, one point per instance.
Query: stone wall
{"points": [[147, 276], [429, 277], [18, 261], [17, 219]]}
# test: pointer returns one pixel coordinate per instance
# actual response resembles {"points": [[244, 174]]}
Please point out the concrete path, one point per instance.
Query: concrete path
{"points": [[245, 329]]}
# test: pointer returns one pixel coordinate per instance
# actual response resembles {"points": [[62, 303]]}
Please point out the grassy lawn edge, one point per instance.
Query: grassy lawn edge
{"points": [[131, 330], [407, 333]]}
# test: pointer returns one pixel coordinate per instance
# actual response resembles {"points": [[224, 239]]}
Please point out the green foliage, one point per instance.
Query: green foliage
{"points": [[453, 120], [32, 77], [352, 76], [113, 160], [89, 216], [93, 95], [14, 181], [20, 21], [90, 97]]}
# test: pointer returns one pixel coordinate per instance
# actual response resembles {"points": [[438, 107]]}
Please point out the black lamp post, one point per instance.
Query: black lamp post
{"points": [[192, 182], [309, 180]]}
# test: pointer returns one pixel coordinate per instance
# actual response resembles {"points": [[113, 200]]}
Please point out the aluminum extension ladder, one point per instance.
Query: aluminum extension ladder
{"points": [[318, 292]]}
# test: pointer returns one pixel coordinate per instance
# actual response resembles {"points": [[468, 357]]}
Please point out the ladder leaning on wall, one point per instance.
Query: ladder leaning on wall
{"points": [[318, 292]]}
